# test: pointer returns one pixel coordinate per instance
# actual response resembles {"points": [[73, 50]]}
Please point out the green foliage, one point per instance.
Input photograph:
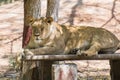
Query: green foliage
{"points": [[12, 62]]}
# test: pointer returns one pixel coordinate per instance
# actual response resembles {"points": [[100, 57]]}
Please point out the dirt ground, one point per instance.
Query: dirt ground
{"points": [[88, 12]]}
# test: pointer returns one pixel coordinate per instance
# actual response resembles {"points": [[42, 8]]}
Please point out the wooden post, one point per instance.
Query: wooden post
{"points": [[64, 71], [115, 69]]}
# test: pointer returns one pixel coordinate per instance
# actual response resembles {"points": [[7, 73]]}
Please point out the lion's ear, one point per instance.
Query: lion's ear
{"points": [[30, 19], [49, 19]]}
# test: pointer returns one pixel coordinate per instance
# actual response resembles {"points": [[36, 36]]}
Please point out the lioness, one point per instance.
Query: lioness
{"points": [[48, 37]]}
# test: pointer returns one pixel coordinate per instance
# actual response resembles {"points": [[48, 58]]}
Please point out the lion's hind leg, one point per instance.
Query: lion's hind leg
{"points": [[93, 50]]}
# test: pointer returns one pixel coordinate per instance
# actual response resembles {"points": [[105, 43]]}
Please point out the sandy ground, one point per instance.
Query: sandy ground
{"points": [[89, 13]]}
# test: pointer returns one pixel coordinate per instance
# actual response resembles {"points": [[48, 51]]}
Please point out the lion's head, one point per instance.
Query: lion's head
{"points": [[43, 29]]}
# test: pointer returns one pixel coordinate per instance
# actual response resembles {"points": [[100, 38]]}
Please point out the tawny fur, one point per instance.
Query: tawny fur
{"points": [[48, 37]]}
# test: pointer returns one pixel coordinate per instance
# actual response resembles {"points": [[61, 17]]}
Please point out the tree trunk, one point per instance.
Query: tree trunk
{"points": [[52, 9], [32, 8], [115, 69]]}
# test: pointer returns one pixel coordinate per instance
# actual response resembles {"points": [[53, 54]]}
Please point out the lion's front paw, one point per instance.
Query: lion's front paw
{"points": [[27, 52], [80, 53]]}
